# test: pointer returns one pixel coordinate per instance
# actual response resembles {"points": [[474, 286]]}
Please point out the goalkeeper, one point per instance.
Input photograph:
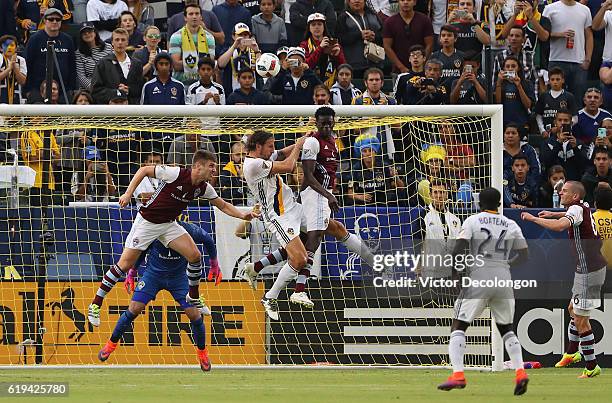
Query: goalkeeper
{"points": [[165, 269]]}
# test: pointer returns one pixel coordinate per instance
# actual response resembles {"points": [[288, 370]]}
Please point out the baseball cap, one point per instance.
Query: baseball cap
{"points": [[86, 25], [297, 51], [281, 50], [91, 153], [51, 11], [119, 95], [315, 17], [240, 28]]}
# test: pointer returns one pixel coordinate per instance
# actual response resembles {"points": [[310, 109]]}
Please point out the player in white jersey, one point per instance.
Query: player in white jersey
{"points": [[489, 238], [282, 214]]}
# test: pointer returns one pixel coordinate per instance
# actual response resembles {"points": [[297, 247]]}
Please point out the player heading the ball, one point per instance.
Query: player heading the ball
{"points": [[156, 220]]}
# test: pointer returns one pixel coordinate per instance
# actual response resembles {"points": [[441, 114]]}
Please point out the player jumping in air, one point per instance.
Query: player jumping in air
{"points": [[493, 237], [156, 220], [282, 215], [320, 162], [589, 277], [165, 270]]}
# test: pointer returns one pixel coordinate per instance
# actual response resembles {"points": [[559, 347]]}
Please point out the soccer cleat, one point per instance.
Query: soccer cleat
{"points": [[199, 303], [301, 298], [107, 350], [204, 360], [569, 359], [521, 382], [455, 381], [250, 275], [93, 314], [586, 373], [271, 307]]}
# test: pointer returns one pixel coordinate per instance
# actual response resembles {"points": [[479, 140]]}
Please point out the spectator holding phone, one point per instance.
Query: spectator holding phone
{"points": [[242, 55], [514, 93], [599, 176], [604, 134], [552, 100], [296, 81], [472, 34], [514, 47], [563, 149], [590, 116], [469, 88], [323, 53]]}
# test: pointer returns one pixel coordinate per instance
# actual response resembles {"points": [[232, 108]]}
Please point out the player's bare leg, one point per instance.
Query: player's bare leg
{"points": [[115, 273], [199, 336], [587, 342], [188, 249], [572, 354], [456, 351], [123, 324]]}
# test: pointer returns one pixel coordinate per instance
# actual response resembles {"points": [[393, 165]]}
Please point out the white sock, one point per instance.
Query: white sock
{"points": [[285, 276], [456, 350], [513, 347], [356, 245]]}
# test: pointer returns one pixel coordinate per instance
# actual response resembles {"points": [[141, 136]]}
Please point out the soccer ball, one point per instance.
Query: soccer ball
{"points": [[268, 65]]}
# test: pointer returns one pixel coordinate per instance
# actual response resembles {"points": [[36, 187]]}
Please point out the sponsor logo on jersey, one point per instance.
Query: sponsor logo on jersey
{"points": [[197, 192], [135, 241]]}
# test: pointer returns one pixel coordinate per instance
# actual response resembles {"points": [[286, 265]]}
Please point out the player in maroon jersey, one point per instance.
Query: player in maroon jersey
{"points": [[590, 272], [157, 220]]}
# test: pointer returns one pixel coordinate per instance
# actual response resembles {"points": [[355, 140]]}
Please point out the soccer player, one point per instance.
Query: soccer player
{"points": [[589, 277], [165, 270], [320, 162], [157, 220], [283, 216], [489, 237]]}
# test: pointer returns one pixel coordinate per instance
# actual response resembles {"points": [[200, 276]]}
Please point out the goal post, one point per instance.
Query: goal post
{"points": [[54, 251]]}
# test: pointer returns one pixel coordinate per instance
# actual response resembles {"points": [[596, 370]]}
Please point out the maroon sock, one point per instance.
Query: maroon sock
{"points": [[300, 284]]}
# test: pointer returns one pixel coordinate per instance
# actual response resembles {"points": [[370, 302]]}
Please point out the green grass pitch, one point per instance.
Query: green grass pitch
{"points": [[267, 386]]}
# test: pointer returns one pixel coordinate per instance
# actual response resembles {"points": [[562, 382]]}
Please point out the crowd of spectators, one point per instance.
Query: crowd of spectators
{"points": [[550, 67]]}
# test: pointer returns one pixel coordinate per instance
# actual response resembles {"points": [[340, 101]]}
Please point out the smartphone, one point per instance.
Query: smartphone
{"points": [[293, 63], [248, 41], [427, 81], [567, 129], [602, 132], [510, 74], [468, 68], [461, 13]]}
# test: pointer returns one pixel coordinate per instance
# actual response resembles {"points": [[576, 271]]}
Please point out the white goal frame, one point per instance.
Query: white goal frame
{"points": [[494, 112]]}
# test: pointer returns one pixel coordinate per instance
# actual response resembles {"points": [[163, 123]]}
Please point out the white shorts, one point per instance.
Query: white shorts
{"points": [[144, 232], [287, 226], [468, 309], [316, 210], [586, 291]]}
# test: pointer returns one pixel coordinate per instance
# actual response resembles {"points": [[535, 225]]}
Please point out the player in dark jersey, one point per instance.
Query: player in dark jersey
{"points": [[590, 272], [156, 220], [165, 270]]}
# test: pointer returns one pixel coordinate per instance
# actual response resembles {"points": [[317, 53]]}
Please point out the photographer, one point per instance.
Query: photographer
{"points": [[469, 88], [563, 149], [295, 82], [515, 94], [427, 90], [243, 54], [323, 53]]}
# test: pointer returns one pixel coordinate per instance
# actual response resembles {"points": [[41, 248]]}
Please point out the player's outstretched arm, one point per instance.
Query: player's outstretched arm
{"points": [[553, 224], [142, 172], [232, 211], [287, 165]]}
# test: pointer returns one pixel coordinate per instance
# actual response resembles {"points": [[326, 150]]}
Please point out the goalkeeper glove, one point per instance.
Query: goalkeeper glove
{"points": [[130, 280], [214, 273]]}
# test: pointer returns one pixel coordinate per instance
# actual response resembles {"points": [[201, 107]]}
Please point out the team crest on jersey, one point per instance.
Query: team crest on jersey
{"points": [[173, 91], [304, 84], [290, 231], [563, 104], [135, 241], [197, 192], [140, 285], [51, 3], [457, 63]]}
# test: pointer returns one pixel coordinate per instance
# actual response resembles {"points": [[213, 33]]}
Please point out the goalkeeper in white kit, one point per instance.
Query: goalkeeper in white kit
{"points": [[489, 237]]}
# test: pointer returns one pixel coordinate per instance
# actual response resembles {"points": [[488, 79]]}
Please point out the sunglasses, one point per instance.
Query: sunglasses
{"points": [[54, 19], [153, 36], [593, 89]]}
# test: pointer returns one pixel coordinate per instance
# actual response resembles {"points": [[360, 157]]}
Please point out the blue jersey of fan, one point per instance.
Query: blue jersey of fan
{"points": [[165, 269]]}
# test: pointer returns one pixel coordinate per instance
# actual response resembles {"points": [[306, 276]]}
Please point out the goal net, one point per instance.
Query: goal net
{"points": [[61, 228]]}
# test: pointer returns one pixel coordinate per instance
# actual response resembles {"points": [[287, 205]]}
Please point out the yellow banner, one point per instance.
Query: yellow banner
{"points": [[235, 333]]}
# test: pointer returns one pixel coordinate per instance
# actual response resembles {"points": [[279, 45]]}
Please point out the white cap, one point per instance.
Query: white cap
{"points": [[296, 51], [240, 28], [315, 17]]}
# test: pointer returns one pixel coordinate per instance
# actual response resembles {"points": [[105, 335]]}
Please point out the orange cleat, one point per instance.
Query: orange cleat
{"points": [[107, 350], [521, 381], [455, 381], [204, 360]]}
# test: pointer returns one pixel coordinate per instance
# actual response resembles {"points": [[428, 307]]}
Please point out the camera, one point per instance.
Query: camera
{"points": [[566, 129], [510, 74], [461, 13], [427, 81], [293, 63], [468, 68], [332, 42]]}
